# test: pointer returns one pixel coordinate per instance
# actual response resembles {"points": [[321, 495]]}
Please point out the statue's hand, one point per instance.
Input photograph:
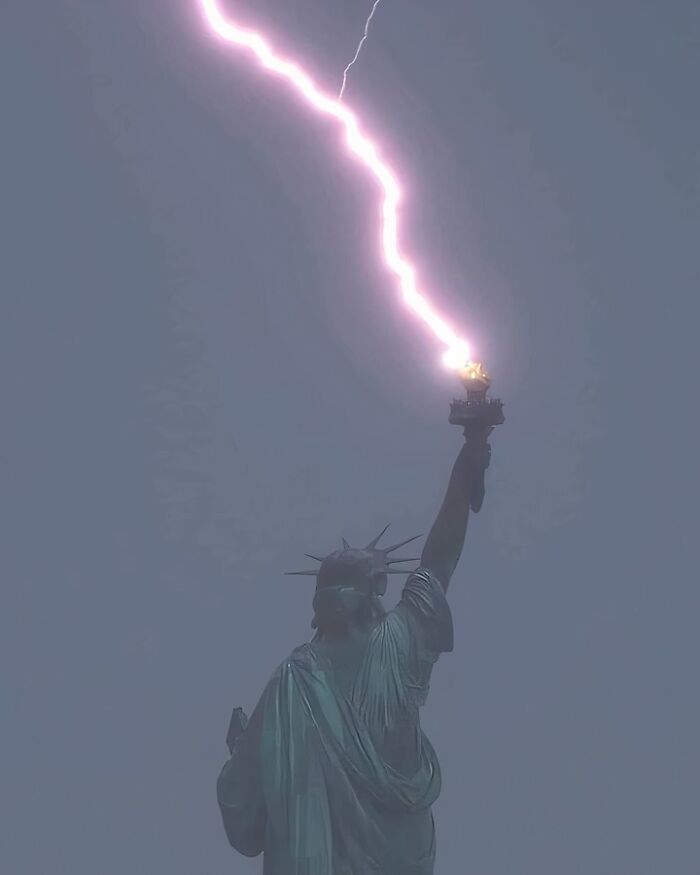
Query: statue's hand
{"points": [[477, 447], [237, 726], [477, 457]]}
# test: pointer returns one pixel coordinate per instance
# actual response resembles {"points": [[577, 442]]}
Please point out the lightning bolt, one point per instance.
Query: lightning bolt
{"points": [[359, 49], [365, 151]]}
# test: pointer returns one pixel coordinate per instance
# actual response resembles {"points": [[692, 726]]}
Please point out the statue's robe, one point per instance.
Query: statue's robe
{"points": [[333, 775]]}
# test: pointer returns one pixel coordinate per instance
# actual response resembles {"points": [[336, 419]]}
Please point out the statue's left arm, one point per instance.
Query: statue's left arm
{"points": [[465, 492], [239, 790]]}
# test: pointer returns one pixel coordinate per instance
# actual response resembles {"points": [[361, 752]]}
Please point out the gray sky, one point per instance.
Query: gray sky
{"points": [[204, 372]]}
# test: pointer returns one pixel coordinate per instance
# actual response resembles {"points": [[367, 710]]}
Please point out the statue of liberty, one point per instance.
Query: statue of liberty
{"points": [[333, 775]]}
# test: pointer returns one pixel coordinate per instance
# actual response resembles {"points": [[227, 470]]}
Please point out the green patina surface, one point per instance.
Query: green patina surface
{"points": [[333, 775]]}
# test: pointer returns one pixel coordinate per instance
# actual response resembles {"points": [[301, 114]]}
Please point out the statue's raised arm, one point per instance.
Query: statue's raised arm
{"points": [[478, 415], [465, 492]]}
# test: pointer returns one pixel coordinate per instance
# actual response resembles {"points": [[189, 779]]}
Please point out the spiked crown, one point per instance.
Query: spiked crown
{"points": [[363, 568]]}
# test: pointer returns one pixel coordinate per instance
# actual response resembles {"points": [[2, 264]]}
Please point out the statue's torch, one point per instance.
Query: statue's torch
{"points": [[478, 415], [476, 412]]}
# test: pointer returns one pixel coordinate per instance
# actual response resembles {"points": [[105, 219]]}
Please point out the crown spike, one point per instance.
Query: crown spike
{"points": [[402, 544], [301, 573], [346, 546], [311, 556], [407, 559], [373, 543]]}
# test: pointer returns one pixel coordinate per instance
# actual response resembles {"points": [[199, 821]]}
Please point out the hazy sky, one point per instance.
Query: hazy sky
{"points": [[205, 372]]}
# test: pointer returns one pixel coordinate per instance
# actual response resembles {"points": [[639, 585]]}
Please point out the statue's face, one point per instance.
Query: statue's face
{"points": [[345, 584], [380, 583], [346, 568], [352, 568]]}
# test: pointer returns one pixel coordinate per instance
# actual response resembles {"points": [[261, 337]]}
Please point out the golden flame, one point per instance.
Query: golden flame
{"points": [[474, 376]]}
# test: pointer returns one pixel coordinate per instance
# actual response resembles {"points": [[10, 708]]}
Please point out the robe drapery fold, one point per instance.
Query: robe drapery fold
{"points": [[331, 782]]}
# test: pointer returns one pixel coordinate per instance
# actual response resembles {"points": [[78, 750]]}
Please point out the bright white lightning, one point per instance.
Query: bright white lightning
{"points": [[359, 49], [364, 150]]}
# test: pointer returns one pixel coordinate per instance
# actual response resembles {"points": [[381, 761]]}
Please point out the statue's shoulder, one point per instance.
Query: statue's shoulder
{"points": [[302, 657], [424, 604]]}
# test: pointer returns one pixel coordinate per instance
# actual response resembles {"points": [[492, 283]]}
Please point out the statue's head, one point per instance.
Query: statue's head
{"points": [[350, 583]]}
